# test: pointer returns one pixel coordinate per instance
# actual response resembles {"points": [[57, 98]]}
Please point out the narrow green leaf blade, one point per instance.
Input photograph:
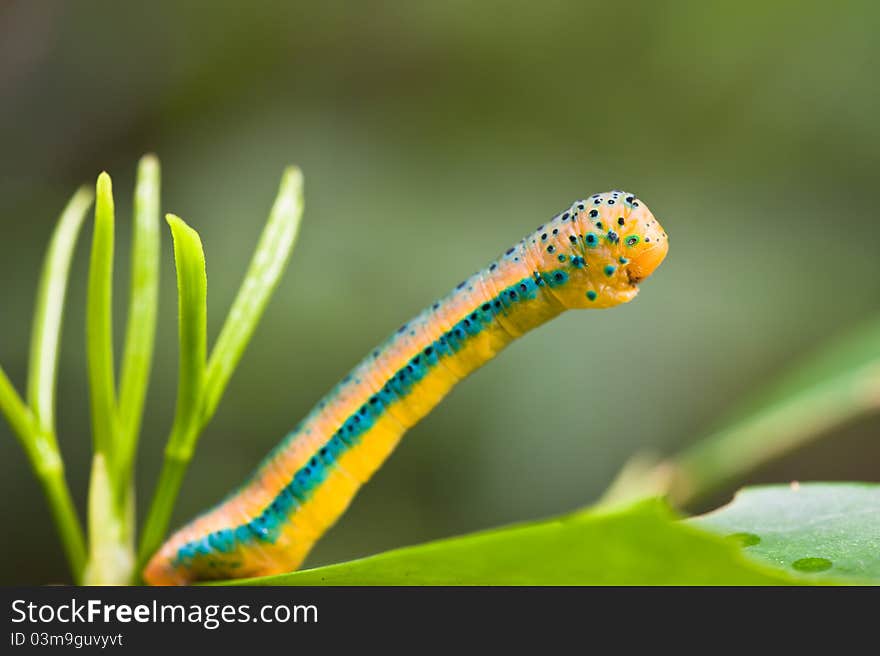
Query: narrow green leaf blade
{"points": [[16, 412], [192, 297], [837, 384], [838, 357], [42, 451], [46, 329], [834, 386], [143, 300], [201, 385], [192, 301], [641, 544], [99, 322], [35, 425], [267, 265], [816, 531]]}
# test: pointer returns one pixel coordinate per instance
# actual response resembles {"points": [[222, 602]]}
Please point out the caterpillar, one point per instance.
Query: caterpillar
{"points": [[592, 255]]}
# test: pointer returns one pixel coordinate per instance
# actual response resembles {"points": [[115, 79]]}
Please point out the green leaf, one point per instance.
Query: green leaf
{"points": [[266, 268], [836, 385], [201, 386], [143, 299], [641, 544], [41, 448], [42, 371], [832, 387], [192, 297], [17, 413], [815, 531], [35, 425], [192, 300], [850, 351], [99, 321]]}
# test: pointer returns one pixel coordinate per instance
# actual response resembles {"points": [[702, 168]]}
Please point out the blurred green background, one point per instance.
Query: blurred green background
{"points": [[444, 133]]}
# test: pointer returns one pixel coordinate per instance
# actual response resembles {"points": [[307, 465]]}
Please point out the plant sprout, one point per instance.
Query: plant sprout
{"points": [[108, 556], [838, 384]]}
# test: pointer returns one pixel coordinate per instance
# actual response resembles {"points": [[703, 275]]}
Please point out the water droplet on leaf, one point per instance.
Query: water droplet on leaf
{"points": [[744, 539], [812, 564]]}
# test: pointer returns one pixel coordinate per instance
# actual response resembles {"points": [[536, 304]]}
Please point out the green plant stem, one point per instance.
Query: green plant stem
{"points": [[201, 386], [192, 290], [769, 434], [171, 477], [66, 518], [49, 311], [837, 385], [264, 272], [45, 458], [141, 323], [99, 324], [16, 412], [34, 424], [111, 495], [111, 548]]}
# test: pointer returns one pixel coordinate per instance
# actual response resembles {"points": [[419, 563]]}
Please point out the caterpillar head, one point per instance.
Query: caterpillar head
{"points": [[606, 245]]}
